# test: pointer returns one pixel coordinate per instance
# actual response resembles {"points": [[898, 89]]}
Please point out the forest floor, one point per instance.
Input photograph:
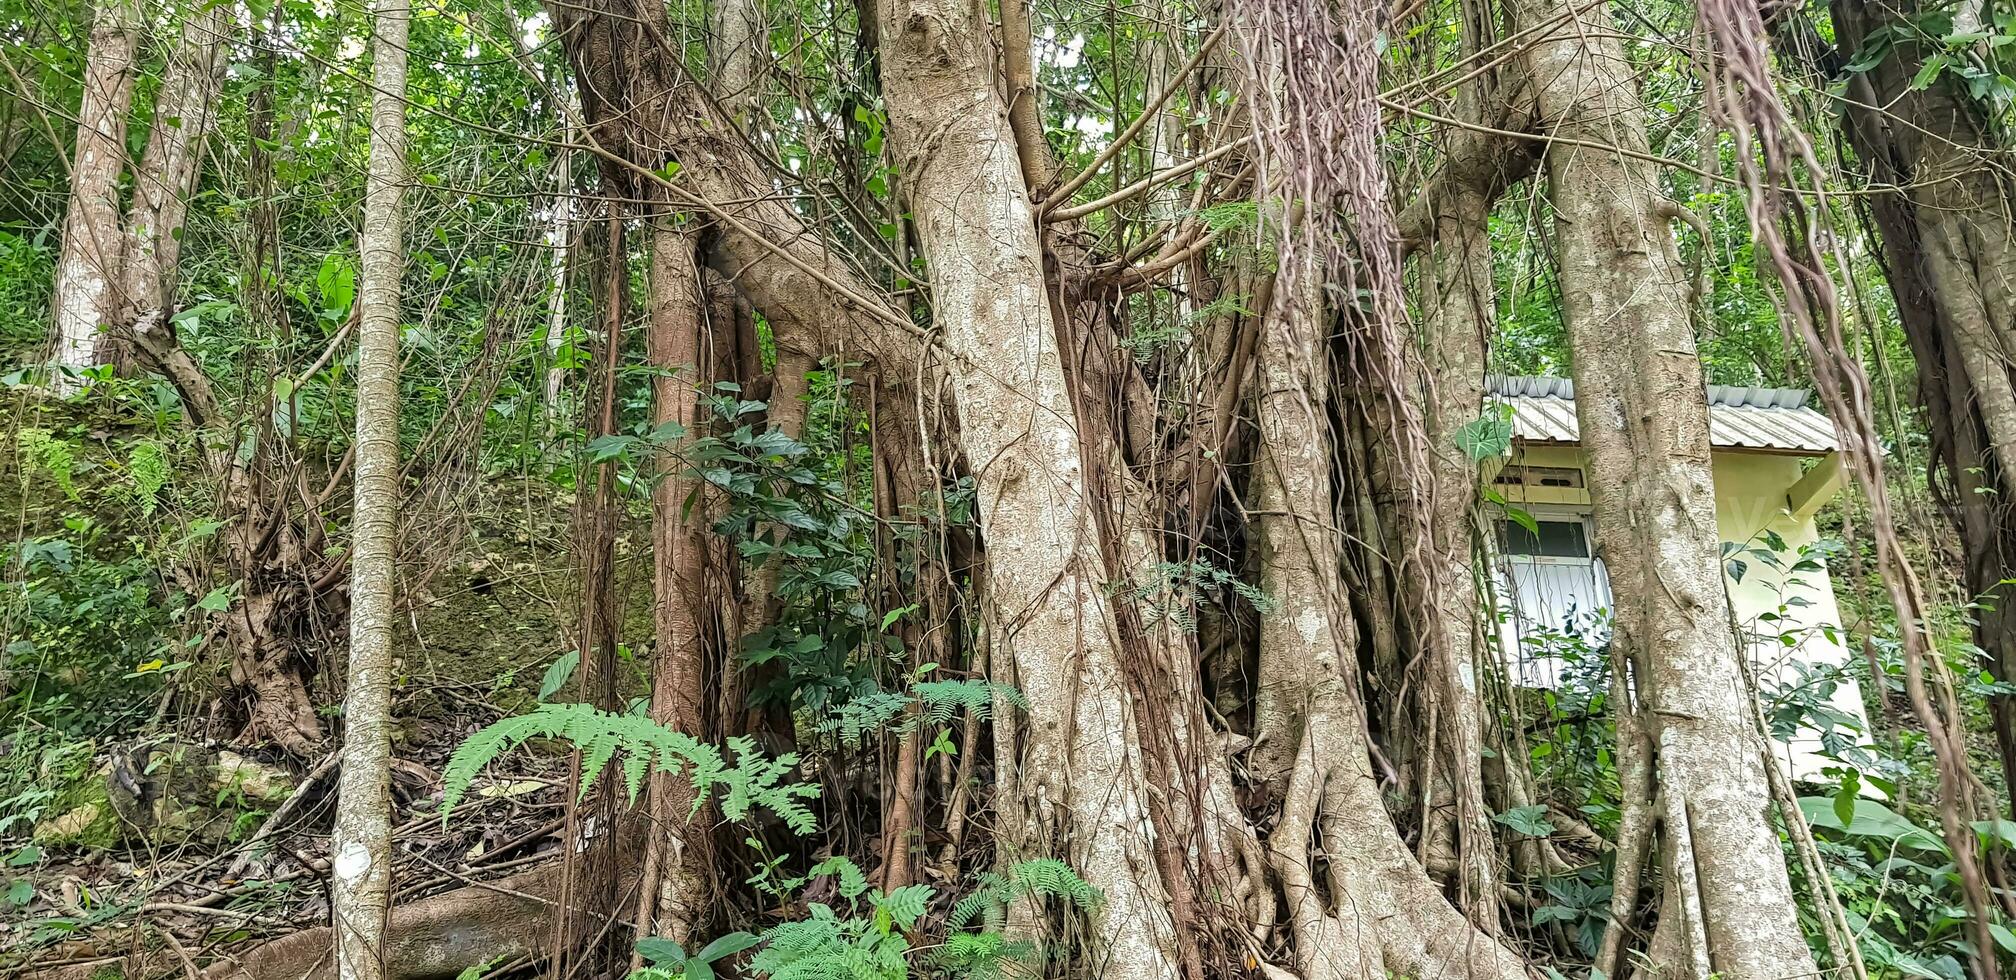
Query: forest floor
{"points": [[172, 845]]}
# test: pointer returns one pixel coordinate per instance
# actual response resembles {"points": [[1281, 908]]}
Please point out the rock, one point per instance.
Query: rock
{"points": [[90, 825], [256, 780], [162, 793]]}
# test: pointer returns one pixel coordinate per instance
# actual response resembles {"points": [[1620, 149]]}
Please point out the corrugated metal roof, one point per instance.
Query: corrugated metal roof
{"points": [[1768, 419]]}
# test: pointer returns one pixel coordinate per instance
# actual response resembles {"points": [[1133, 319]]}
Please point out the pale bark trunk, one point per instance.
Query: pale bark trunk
{"points": [[683, 877], [1457, 275], [1381, 915], [741, 47], [556, 276], [88, 265], [359, 897], [184, 112], [1081, 773], [1644, 422]]}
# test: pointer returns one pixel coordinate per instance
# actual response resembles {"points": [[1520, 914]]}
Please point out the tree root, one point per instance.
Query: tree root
{"points": [[431, 938]]}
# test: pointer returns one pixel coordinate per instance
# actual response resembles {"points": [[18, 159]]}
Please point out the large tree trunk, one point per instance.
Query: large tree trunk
{"points": [[1642, 409], [1378, 914], [1082, 789], [88, 266], [1949, 249], [360, 887]]}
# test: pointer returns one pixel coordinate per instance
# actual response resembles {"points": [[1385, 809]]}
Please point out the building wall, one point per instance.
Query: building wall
{"points": [[1792, 617]]}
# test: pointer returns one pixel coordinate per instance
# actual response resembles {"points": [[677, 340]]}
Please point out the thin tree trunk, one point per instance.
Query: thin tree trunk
{"points": [[184, 113], [360, 888], [1642, 409], [556, 276], [684, 879], [87, 267]]}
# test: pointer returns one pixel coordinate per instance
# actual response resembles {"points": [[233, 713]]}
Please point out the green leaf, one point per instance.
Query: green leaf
{"points": [[1931, 70], [889, 619], [1529, 820], [605, 448], [1487, 436], [661, 952], [557, 675], [217, 600], [476, 972], [725, 946], [905, 905], [1555, 913], [1844, 798], [1872, 819]]}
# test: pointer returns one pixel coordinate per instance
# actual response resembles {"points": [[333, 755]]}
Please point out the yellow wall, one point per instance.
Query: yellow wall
{"points": [[1750, 498]]}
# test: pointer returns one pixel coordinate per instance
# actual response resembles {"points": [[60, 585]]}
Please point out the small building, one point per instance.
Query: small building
{"points": [[1776, 464]]}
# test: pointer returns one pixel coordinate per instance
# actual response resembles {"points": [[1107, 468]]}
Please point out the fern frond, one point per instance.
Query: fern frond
{"points": [[755, 781], [852, 881], [1051, 878], [905, 905]]}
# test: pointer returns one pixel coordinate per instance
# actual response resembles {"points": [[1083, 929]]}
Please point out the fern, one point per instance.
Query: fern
{"points": [[866, 713], [1051, 878], [1230, 304], [1168, 590], [54, 456], [1041, 878], [825, 946], [753, 782], [147, 465], [904, 906], [982, 955], [941, 701], [945, 700], [1230, 215], [852, 881]]}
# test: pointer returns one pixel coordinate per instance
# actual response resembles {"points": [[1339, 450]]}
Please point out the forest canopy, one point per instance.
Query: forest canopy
{"points": [[1278, 489]]}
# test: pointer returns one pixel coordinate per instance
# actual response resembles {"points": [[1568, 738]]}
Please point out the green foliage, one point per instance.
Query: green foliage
{"points": [[754, 781], [669, 960], [1529, 820], [938, 703], [557, 675], [1487, 436], [148, 468], [27, 268], [85, 611], [1170, 591], [857, 947], [54, 457], [1041, 878], [1898, 884]]}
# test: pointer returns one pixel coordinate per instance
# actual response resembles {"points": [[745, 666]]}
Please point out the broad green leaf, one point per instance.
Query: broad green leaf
{"points": [[661, 952], [1872, 819], [557, 675], [1486, 436], [725, 946], [1529, 820]]}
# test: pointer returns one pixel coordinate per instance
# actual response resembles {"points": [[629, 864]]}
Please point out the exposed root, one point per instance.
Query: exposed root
{"points": [[432, 938]]}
